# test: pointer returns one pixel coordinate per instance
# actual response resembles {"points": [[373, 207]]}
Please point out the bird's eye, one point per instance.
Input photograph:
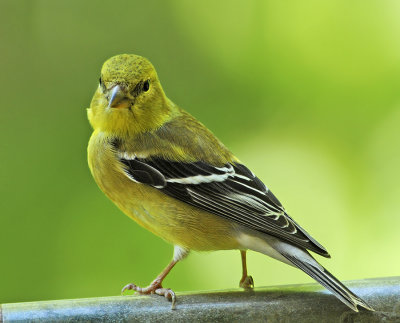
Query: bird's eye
{"points": [[146, 85], [100, 81]]}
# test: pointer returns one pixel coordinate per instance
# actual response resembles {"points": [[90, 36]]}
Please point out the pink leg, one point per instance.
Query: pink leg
{"points": [[247, 281], [156, 286]]}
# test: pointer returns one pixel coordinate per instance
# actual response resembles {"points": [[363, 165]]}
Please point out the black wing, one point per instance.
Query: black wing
{"points": [[231, 191]]}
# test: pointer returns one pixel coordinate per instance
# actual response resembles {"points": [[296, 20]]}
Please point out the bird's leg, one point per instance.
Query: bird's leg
{"points": [[156, 285], [247, 281]]}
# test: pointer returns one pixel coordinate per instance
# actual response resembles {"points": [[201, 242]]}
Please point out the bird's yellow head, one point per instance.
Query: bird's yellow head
{"points": [[129, 99]]}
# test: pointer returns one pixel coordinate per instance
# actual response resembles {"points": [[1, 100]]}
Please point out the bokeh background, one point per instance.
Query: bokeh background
{"points": [[306, 93]]}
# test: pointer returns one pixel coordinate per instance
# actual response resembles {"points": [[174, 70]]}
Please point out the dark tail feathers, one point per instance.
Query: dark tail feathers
{"points": [[326, 279]]}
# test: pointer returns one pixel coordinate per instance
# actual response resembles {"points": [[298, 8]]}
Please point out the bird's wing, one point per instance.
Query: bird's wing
{"points": [[231, 191]]}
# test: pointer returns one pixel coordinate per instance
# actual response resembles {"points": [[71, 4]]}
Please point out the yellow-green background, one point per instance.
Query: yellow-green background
{"points": [[306, 93]]}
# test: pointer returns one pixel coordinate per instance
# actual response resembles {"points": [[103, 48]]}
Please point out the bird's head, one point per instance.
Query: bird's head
{"points": [[129, 98]]}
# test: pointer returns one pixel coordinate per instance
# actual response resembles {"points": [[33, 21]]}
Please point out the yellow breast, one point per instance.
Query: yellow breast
{"points": [[174, 221]]}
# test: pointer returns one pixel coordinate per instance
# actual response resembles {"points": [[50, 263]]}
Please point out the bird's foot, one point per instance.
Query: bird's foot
{"points": [[154, 288], [246, 282]]}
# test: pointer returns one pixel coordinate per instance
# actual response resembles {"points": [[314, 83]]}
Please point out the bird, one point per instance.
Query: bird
{"points": [[170, 174]]}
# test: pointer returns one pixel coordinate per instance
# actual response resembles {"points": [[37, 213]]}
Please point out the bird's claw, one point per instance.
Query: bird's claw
{"points": [[167, 293], [246, 282], [128, 287], [154, 288]]}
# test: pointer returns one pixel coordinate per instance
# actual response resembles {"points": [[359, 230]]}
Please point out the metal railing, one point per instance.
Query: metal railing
{"points": [[294, 303]]}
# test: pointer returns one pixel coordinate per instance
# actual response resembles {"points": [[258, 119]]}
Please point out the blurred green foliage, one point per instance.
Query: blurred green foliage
{"points": [[304, 92]]}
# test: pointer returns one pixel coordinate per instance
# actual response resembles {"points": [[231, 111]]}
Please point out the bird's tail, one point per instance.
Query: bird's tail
{"points": [[326, 279], [302, 259]]}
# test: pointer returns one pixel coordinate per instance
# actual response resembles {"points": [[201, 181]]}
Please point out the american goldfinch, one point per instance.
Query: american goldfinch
{"points": [[169, 173]]}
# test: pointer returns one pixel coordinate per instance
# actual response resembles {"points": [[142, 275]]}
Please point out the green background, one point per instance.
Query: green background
{"points": [[306, 93]]}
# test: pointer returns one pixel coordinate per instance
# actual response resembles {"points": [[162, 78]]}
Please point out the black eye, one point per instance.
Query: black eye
{"points": [[146, 85], [100, 81]]}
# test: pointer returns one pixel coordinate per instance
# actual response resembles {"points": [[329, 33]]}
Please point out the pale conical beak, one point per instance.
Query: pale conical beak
{"points": [[118, 98]]}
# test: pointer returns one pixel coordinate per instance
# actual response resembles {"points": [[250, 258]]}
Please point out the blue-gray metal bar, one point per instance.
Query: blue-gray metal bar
{"points": [[294, 303]]}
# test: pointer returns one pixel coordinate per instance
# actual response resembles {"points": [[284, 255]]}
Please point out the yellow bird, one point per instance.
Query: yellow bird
{"points": [[169, 173]]}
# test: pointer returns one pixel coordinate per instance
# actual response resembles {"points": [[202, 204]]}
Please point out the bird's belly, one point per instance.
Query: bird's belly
{"points": [[178, 222]]}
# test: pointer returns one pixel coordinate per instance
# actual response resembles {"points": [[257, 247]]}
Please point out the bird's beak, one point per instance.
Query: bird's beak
{"points": [[118, 98]]}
